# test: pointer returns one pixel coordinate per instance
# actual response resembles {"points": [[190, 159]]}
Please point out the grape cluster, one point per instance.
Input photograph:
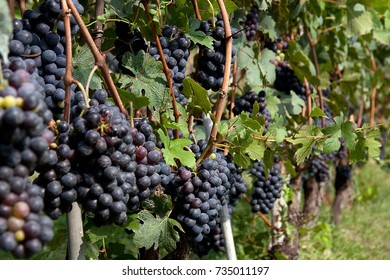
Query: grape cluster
{"points": [[238, 186], [267, 189], [251, 23], [127, 41], [57, 178], [24, 147], [39, 38], [23, 228], [102, 141], [211, 62], [214, 240], [319, 169], [286, 80], [199, 202], [176, 49], [113, 166], [245, 103], [200, 195], [278, 46], [23, 120], [150, 169]]}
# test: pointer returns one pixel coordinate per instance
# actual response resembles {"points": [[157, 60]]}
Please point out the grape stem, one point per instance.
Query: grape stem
{"points": [[2, 81], [89, 79], [22, 5], [74, 219], [100, 60], [308, 100], [196, 8], [11, 6], [373, 94], [312, 45], [220, 106], [98, 31], [83, 91], [360, 116], [234, 89], [166, 69], [212, 11], [68, 51], [335, 2]]}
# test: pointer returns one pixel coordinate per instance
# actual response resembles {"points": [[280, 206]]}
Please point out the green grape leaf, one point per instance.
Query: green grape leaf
{"points": [[277, 129], [342, 129], [367, 145], [5, 30], [117, 7], [207, 11], [256, 149], [83, 62], [197, 36], [306, 138], [248, 60], [223, 128], [331, 145], [81, 73], [267, 25], [296, 104], [95, 234], [83, 58], [241, 160], [158, 204], [382, 36], [267, 68], [372, 143], [127, 97], [149, 79], [158, 232], [349, 135], [359, 21], [176, 149], [317, 112], [199, 101]]}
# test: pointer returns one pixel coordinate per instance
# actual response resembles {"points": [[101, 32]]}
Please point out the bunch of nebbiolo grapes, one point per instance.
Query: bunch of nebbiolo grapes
{"points": [[251, 23], [286, 80], [200, 195], [176, 48], [211, 62], [236, 186], [24, 144], [39, 38], [266, 189], [115, 164]]}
